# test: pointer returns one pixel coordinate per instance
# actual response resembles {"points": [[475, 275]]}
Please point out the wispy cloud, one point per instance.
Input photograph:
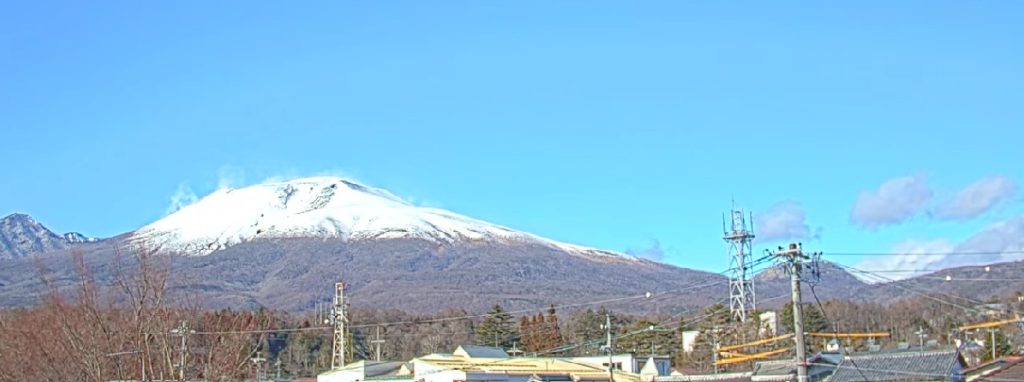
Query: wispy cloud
{"points": [[998, 242], [229, 176], [653, 251], [977, 198], [784, 220], [183, 197], [893, 202]]}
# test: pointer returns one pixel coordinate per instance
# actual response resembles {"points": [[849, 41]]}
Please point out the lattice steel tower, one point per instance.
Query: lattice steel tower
{"points": [[741, 286], [338, 318]]}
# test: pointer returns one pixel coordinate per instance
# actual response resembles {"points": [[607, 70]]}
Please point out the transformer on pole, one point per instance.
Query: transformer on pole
{"points": [[338, 319], [741, 287]]}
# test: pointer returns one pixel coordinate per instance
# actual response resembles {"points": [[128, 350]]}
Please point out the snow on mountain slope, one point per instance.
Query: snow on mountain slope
{"points": [[322, 207]]}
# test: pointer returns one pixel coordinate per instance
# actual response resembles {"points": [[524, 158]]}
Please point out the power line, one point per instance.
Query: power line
{"points": [[952, 253]]}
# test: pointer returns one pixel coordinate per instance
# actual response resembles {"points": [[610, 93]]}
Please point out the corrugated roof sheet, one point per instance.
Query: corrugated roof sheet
{"points": [[938, 365]]}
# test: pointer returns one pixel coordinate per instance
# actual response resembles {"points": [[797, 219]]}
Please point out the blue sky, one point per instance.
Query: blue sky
{"points": [[621, 125]]}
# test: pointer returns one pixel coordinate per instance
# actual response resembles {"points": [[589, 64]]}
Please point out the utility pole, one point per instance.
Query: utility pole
{"points": [[338, 318], [183, 332], [992, 332], [258, 362], [608, 345], [377, 343], [920, 336], [715, 345], [794, 258]]}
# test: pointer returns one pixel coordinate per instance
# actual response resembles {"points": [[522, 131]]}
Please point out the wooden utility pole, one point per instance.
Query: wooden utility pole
{"points": [[794, 258], [183, 332], [377, 343], [608, 346]]}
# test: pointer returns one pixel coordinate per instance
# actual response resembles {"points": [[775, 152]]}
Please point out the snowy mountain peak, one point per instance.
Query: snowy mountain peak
{"points": [[75, 237], [322, 207], [21, 235]]}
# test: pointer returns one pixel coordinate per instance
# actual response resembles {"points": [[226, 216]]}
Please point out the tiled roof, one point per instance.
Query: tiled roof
{"points": [[937, 365]]}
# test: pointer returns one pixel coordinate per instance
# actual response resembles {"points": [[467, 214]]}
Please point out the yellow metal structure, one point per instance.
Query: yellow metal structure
{"points": [[849, 335], [990, 324], [751, 357], [755, 343]]}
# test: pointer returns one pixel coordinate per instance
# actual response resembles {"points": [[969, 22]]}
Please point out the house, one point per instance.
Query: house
{"points": [[629, 362], [999, 369], [470, 363], [903, 366], [473, 351], [460, 368], [366, 371], [690, 340]]}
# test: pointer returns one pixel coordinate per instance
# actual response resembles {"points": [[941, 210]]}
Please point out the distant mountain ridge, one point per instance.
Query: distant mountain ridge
{"points": [[22, 236], [284, 244]]}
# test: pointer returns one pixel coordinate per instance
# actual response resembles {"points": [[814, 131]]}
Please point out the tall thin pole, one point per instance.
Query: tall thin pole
{"points": [[715, 344], [798, 324], [794, 258], [377, 344], [183, 332], [993, 333], [608, 345]]}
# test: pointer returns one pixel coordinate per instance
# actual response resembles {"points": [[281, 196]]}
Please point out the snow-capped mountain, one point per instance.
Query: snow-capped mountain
{"points": [[323, 207], [21, 235], [75, 237]]}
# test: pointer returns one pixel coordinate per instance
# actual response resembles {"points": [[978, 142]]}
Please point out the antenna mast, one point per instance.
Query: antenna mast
{"points": [[338, 318], [738, 240]]}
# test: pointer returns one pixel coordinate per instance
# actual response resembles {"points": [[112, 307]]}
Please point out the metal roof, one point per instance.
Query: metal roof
{"points": [[474, 351], [936, 365]]}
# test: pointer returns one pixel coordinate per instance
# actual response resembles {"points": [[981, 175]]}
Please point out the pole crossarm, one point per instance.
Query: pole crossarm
{"points": [[751, 357], [755, 343]]}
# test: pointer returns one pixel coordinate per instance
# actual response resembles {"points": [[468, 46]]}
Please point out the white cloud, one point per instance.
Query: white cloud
{"points": [[182, 198], [998, 242], [977, 198], [785, 220], [895, 200]]}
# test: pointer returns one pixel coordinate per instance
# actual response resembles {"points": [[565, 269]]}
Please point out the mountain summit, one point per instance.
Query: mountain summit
{"points": [[21, 236], [325, 207]]}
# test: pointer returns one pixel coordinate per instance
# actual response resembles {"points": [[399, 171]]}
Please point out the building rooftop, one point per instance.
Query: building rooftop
{"points": [[1012, 370], [900, 366], [475, 351]]}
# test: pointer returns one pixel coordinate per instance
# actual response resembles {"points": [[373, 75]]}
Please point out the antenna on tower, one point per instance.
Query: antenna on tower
{"points": [[738, 240], [338, 318]]}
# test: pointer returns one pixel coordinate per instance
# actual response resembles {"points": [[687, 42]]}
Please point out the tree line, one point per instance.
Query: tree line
{"points": [[142, 321]]}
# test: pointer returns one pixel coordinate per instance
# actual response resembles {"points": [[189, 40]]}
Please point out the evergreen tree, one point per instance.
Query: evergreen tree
{"points": [[648, 338], [497, 329], [814, 319]]}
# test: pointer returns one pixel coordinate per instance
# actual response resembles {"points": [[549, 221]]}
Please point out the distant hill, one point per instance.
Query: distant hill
{"points": [[409, 274], [21, 236]]}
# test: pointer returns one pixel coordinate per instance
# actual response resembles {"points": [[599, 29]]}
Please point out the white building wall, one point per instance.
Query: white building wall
{"points": [[690, 340]]}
